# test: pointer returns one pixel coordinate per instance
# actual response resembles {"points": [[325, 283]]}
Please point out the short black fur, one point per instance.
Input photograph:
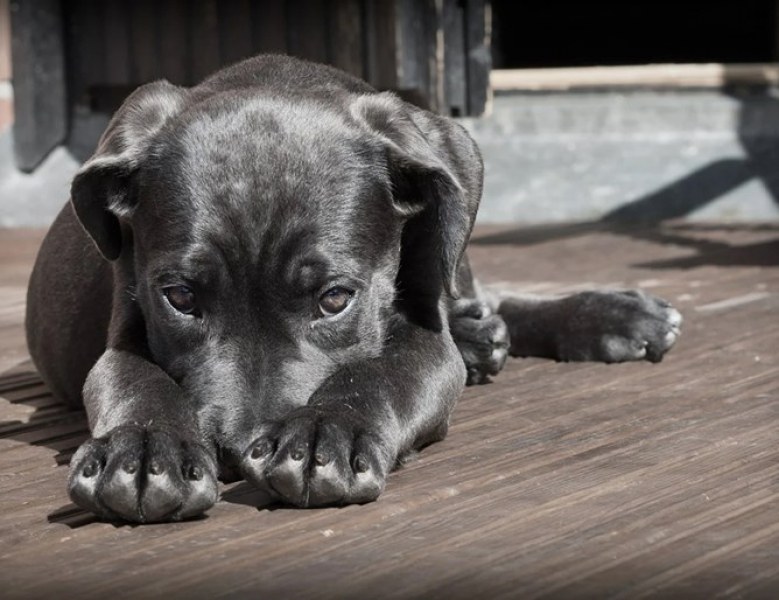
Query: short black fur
{"points": [[257, 193]]}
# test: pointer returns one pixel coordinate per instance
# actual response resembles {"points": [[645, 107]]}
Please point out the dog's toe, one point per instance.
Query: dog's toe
{"points": [[482, 339], [142, 476], [316, 458], [649, 328]]}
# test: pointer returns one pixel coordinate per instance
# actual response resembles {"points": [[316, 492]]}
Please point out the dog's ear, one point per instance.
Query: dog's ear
{"points": [[103, 190], [428, 157]]}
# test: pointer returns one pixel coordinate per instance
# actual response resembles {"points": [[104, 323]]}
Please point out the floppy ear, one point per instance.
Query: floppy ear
{"points": [[103, 190], [435, 171]]}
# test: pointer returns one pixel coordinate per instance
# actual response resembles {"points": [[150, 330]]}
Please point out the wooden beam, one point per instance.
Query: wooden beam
{"points": [[345, 39], [478, 39], [455, 69], [663, 76], [5, 41], [39, 80]]}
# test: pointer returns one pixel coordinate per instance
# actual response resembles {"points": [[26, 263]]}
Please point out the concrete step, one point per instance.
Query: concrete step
{"points": [[643, 155]]}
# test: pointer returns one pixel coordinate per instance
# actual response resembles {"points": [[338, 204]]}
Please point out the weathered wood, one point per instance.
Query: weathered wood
{"points": [[175, 42], [345, 40], [117, 43], [5, 40], [478, 23], [381, 44], [307, 29], [269, 26], [40, 121], [235, 31], [455, 58], [635, 76], [556, 480], [204, 33], [145, 39]]}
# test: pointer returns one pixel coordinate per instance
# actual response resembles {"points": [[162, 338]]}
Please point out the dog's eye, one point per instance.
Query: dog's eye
{"points": [[181, 298], [334, 300]]}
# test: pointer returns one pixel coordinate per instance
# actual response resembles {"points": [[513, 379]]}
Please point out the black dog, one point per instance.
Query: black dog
{"points": [[268, 293]]}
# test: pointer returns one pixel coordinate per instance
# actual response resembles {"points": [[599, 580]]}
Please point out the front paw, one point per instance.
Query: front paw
{"points": [[143, 476], [319, 456], [618, 326], [482, 338]]}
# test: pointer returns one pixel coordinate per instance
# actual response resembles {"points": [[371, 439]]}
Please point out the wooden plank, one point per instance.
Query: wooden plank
{"points": [[204, 31], [5, 41], [88, 24], [145, 40], [381, 44], [117, 43], [39, 80], [345, 39], [235, 31], [307, 29], [665, 474], [455, 49], [420, 53], [175, 47], [712, 75], [478, 23], [269, 26]]}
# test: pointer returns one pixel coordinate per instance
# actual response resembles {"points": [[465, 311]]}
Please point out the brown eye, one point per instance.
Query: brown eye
{"points": [[181, 298], [334, 300]]}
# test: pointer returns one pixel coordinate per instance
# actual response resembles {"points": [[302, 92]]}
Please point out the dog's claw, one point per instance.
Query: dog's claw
{"points": [[481, 337], [319, 471], [361, 464], [107, 478], [619, 326]]}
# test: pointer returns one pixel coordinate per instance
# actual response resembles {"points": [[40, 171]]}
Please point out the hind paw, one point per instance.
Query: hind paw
{"points": [[619, 326]]}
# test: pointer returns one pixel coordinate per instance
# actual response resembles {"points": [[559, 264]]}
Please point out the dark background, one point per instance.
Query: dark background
{"points": [[568, 34]]}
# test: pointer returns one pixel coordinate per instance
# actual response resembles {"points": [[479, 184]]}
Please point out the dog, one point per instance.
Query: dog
{"points": [[263, 277]]}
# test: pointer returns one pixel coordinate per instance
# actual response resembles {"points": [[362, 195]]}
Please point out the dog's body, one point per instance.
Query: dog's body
{"points": [[268, 293]]}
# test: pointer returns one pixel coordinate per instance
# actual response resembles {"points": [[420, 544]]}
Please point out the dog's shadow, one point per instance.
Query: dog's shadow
{"points": [[38, 418], [29, 413]]}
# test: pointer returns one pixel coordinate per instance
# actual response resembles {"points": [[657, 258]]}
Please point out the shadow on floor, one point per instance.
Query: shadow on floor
{"points": [[708, 251], [757, 133], [645, 217], [50, 424]]}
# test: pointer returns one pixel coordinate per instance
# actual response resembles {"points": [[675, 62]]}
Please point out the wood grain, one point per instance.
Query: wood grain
{"points": [[556, 480]]}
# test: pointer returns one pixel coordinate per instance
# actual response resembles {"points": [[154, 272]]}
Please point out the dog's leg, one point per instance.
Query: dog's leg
{"points": [[604, 326], [340, 447], [146, 461]]}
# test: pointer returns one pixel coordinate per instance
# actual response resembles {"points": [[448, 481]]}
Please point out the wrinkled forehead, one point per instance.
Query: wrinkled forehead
{"points": [[255, 150], [262, 178]]}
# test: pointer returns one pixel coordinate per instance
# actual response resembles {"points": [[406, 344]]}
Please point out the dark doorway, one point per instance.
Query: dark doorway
{"points": [[568, 34]]}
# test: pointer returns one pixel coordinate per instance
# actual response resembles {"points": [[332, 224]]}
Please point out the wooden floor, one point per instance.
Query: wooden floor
{"points": [[556, 480]]}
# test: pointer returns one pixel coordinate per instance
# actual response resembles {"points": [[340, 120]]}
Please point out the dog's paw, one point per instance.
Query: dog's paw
{"points": [[318, 457], [482, 338], [143, 476], [618, 326]]}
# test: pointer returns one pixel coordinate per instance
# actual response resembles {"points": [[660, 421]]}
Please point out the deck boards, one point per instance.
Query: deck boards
{"points": [[556, 480]]}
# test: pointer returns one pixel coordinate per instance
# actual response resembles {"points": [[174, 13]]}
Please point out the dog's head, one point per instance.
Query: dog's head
{"points": [[269, 239]]}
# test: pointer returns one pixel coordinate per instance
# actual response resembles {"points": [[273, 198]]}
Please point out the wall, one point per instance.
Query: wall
{"points": [[641, 155]]}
